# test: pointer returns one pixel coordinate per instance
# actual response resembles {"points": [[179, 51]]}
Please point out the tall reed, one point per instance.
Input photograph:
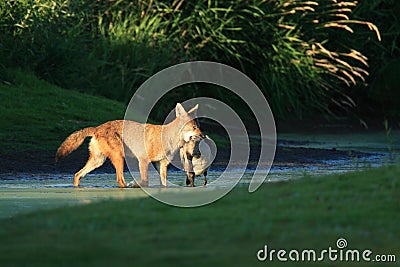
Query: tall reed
{"points": [[299, 52]]}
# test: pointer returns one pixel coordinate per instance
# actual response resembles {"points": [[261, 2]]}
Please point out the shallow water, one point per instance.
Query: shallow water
{"points": [[27, 192], [376, 144], [177, 178]]}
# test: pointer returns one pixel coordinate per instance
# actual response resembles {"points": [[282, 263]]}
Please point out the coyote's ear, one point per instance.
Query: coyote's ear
{"points": [[180, 111], [193, 111]]}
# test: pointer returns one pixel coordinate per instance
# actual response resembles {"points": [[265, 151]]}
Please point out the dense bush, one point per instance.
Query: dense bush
{"points": [[384, 57], [65, 42], [303, 54]]}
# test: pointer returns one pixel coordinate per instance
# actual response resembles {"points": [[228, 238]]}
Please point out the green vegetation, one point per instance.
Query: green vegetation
{"points": [[383, 56], [313, 212], [37, 115], [33, 199], [303, 54]]}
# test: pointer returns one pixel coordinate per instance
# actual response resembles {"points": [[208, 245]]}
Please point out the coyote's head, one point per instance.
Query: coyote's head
{"points": [[188, 123]]}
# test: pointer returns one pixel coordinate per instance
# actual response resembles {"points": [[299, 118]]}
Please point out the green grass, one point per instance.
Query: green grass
{"points": [[313, 212], [37, 115]]}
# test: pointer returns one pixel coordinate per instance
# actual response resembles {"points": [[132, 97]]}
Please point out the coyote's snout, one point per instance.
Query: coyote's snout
{"points": [[147, 142]]}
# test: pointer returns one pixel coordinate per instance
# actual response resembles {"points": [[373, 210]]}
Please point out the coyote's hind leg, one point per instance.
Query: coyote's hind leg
{"points": [[95, 160]]}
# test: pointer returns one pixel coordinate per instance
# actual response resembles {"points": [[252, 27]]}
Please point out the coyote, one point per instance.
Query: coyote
{"points": [[147, 142], [195, 162]]}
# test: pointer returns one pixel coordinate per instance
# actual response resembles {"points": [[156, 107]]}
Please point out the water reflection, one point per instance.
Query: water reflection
{"points": [[279, 172]]}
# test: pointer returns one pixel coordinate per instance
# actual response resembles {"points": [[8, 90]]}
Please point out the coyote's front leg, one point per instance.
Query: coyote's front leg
{"points": [[143, 168], [163, 171]]}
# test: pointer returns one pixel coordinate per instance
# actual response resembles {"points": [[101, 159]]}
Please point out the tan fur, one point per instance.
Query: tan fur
{"points": [[147, 142], [73, 142]]}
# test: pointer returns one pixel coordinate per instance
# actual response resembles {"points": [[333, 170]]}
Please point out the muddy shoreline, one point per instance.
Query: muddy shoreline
{"points": [[36, 162]]}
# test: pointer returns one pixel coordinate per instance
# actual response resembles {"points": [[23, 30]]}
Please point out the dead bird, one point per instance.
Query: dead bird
{"points": [[196, 162]]}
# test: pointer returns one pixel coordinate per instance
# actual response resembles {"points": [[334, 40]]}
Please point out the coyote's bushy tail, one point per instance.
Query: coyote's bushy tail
{"points": [[73, 142]]}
